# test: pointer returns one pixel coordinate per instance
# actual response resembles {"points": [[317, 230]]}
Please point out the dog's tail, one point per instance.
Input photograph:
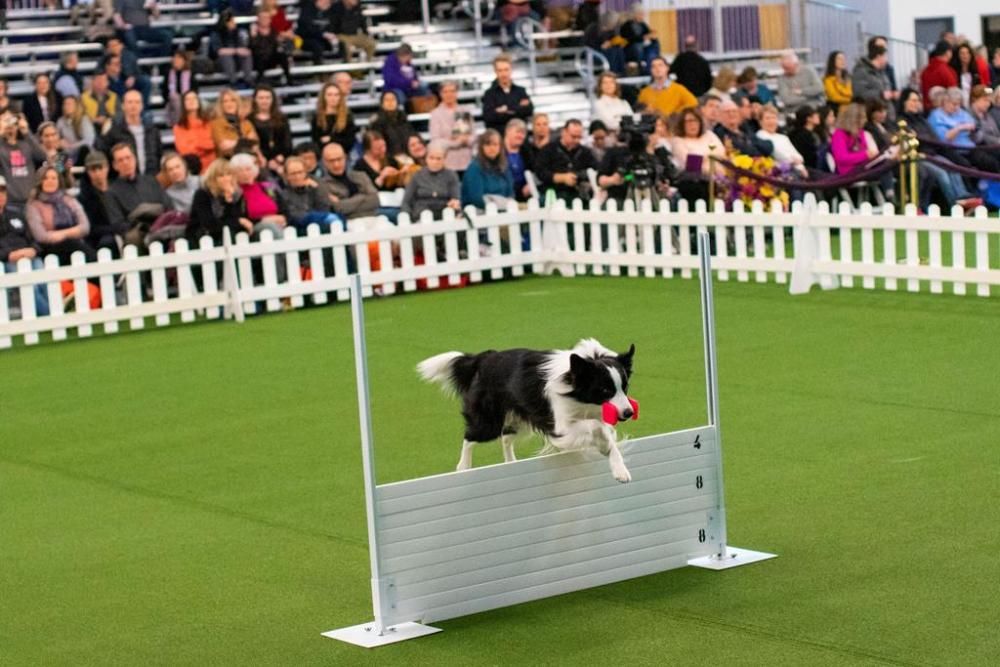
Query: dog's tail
{"points": [[452, 370]]}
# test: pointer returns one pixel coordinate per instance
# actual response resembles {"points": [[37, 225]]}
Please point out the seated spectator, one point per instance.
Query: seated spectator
{"points": [[55, 157], [433, 188], [562, 165], [709, 110], [315, 27], [230, 45], [487, 176], [837, 80], [268, 47], [75, 128], [723, 84], [134, 19], [541, 135], [987, 129], [279, 20], [512, 10], [333, 121], [749, 82], [641, 43], [67, 81], [6, 103], [602, 36], [413, 160], [798, 85], [351, 28], [124, 73], [345, 82], [262, 198], [400, 76], [193, 133], [107, 226], [56, 219], [513, 143], [662, 95], [230, 124], [692, 146], [964, 62], [850, 147], [179, 80], [40, 107], [691, 69], [177, 182], [271, 126], [662, 133], [16, 244], [610, 108], [136, 197], [100, 103], [805, 137], [598, 140], [749, 112], [219, 205], [735, 137], [352, 194], [20, 155], [504, 99], [954, 125], [137, 131], [390, 121], [785, 153], [309, 153], [304, 201], [876, 128], [451, 123], [376, 164], [938, 72]]}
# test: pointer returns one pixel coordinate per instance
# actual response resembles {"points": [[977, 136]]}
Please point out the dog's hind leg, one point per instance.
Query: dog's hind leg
{"points": [[465, 461]]}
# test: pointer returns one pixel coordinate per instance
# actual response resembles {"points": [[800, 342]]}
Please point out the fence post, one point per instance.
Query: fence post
{"points": [[230, 280]]}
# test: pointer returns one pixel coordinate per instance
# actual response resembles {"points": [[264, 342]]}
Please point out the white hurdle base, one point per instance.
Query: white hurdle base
{"points": [[367, 634], [733, 557]]}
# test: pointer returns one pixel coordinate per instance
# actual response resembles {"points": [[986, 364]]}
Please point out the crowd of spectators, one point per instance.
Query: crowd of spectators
{"points": [[84, 167]]}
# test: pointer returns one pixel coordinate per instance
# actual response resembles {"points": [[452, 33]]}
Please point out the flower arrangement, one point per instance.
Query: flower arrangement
{"points": [[748, 189]]}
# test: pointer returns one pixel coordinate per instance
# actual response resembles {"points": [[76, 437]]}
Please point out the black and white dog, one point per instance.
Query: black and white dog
{"points": [[557, 393]]}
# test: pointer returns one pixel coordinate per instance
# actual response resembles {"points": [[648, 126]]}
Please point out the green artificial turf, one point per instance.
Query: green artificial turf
{"points": [[193, 495]]}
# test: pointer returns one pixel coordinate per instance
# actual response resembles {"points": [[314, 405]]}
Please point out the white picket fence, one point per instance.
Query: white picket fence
{"points": [[805, 246]]}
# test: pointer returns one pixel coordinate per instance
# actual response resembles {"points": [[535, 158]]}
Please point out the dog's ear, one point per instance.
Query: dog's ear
{"points": [[579, 366], [626, 359]]}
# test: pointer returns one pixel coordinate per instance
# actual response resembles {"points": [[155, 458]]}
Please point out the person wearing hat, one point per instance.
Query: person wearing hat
{"points": [[938, 72], [107, 227], [16, 244]]}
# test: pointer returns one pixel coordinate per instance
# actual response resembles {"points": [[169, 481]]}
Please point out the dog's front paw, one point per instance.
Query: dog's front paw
{"points": [[621, 474]]}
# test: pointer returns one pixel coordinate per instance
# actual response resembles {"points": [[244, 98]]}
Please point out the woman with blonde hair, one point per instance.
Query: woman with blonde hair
{"points": [[610, 108], [218, 205], [229, 122], [723, 84], [333, 122], [75, 128], [850, 147]]}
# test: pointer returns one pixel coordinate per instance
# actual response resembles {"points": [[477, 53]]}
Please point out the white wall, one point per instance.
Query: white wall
{"points": [[967, 13], [874, 14]]}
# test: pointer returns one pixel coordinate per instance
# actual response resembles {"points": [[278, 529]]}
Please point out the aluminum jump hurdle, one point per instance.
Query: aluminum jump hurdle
{"points": [[464, 542]]}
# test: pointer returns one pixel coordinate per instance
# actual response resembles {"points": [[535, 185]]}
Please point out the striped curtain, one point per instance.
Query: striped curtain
{"points": [[697, 22], [741, 28]]}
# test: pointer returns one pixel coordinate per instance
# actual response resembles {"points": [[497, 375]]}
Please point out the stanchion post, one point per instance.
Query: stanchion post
{"points": [[902, 185], [711, 180], [914, 181]]}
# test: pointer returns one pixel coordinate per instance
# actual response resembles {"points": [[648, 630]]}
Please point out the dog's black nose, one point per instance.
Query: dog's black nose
{"points": [[627, 414]]}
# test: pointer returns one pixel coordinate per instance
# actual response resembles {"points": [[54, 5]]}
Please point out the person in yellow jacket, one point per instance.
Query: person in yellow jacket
{"points": [[837, 81], [99, 102], [663, 95]]}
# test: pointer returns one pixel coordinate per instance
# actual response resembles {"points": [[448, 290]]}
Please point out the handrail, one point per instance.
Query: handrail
{"points": [[585, 62]]}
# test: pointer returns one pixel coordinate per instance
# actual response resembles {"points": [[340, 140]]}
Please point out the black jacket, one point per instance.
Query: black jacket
{"points": [[313, 23], [807, 144], [33, 111], [692, 71], [119, 133], [14, 235], [348, 136], [349, 21], [516, 100], [745, 143], [105, 218], [555, 159], [274, 140], [126, 196], [210, 215]]}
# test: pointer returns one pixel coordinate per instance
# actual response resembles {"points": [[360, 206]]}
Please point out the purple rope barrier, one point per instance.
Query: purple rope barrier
{"points": [[866, 173], [964, 171], [934, 143]]}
